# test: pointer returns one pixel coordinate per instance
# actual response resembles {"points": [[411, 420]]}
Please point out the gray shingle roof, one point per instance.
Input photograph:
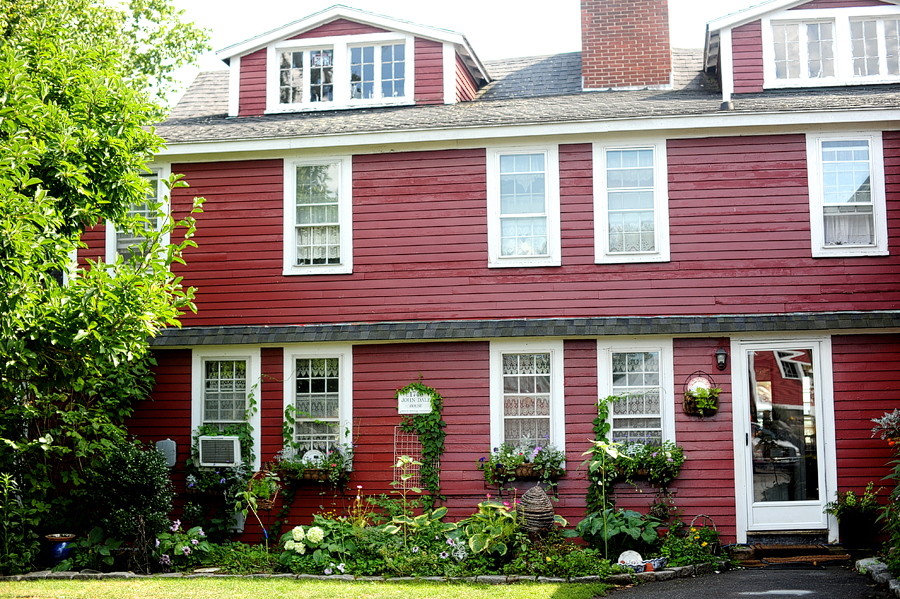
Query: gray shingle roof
{"points": [[525, 91], [550, 327]]}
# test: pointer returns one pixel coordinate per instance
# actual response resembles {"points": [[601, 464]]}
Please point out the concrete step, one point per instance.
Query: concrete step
{"points": [[760, 556]]}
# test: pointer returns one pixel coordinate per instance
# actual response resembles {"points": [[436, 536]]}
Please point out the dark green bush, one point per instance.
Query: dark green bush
{"points": [[131, 483]]}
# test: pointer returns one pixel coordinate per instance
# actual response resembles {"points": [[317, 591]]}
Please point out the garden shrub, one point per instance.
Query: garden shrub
{"points": [[128, 484]]}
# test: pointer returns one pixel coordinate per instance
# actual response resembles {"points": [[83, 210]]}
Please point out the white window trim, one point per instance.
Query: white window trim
{"points": [[162, 171], [816, 208], [341, 71], [554, 244], [345, 212], [660, 204], [344, 353], [607, 347], [843, 51], [254, 386], [557, 385]]}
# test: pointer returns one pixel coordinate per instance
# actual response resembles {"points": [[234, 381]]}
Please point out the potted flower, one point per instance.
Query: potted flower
{"points": [[856, 515], [701, 401], [659, 464], [332, 465], [508, 463]]}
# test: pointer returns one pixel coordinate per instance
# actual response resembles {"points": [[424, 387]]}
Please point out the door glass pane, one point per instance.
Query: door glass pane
{"points": [[783, 425]]}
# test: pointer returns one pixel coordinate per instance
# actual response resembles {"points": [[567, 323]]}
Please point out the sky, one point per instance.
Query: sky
{"points": [[495, 28]]}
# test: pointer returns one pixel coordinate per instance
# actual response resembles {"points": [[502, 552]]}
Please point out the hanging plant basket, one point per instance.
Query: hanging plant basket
{"points": [[263, 503], [701, 395], [528, 471]]}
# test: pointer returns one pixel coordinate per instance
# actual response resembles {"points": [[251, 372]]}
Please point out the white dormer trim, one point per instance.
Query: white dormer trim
{"points": [[449, 74], [446, 36], [234, 86]]}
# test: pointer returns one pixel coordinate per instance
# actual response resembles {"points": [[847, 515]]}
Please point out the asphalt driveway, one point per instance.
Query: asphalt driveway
{"points": [[807, 582]]}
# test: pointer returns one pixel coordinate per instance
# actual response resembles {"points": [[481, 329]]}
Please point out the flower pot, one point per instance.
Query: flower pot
{"points": [[60, 546], [859, 531], [528, 471], [690, 406], [316, 475]]}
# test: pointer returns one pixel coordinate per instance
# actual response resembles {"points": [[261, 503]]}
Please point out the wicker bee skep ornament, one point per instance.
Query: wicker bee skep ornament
{"points": [[535, 510]]}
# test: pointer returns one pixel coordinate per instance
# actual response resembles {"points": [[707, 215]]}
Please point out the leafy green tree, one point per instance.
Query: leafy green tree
{"points": [[74, 141]]}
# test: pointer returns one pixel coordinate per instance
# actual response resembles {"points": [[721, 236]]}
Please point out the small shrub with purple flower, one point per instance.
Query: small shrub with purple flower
{"points": [[658, 463], [178, 549], [545, 459]]}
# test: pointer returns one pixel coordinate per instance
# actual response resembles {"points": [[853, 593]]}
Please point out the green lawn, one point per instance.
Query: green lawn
{"points": [[206, 588]]}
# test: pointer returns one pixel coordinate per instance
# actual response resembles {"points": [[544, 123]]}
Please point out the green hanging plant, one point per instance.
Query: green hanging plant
{"points": [[430, 429]]}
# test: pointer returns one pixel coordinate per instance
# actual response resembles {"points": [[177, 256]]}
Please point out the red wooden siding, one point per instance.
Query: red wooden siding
{"points": [[252, 94], [747, 58], [168, 414], [465, 84], [95, 239], [581, 409], [739, 229], [707, 441], [429, 72], [271, 402], [840, 4], [339, 27], [866, 385]]}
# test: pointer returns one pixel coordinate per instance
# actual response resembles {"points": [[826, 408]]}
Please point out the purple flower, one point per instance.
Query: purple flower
{"points": [[654, 455], [200, 532], [444, 555], [222, 482], [451, 542], [186, 550], [165, 560], [195, 542], [175, 526], [157, 543], [328, 571], [340, 567], [415, 549]]}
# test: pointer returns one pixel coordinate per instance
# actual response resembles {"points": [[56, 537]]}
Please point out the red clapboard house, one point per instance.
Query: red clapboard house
{"points": [[609, 219]]}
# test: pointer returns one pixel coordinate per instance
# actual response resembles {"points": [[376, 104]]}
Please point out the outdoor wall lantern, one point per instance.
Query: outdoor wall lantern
{"points": [[721, 358]]}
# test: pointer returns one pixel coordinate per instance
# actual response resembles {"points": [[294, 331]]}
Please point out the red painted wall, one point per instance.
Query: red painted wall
{"points": [[747, 58], [429, 72], [840, 4], [465, 84], [866, 385], [339, 27], [740, 243], [252, 94]]}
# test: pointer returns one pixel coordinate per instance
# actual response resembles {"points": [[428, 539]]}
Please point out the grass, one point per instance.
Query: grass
{"points": [[206, 588]]}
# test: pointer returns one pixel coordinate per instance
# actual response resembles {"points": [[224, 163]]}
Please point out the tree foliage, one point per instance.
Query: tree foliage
{"points": [[74, 141]]}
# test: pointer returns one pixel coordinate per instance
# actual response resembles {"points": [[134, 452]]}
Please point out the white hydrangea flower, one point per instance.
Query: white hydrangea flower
{"points": [[315, 535], [298, 533], [289, 545], [300, 548]]}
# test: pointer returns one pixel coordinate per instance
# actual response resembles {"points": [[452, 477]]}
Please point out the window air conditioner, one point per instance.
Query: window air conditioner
{"points": [[219, 451]]}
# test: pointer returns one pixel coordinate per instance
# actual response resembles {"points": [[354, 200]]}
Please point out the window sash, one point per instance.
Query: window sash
{"points": [[637, 379], [224, 391], [523, 205], [526, 399], [128, 242], [799, 45], [848, 205], [317, 401], [630, 200], [317, 205]]}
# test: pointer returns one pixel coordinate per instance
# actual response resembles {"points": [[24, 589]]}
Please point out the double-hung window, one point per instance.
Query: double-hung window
{"points": [[875, 47], [847, 201], [804, 50], [318, 207], [640, 375], [340, 72], [527, 403], [631, 210], [225, 384], [523, 207], [318, 396], [146, 215], [377, 72]]}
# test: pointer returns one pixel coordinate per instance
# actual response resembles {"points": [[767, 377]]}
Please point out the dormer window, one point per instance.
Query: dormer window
{"points": [[876, 47], [803, 50], [340, 72], [377, 72]]}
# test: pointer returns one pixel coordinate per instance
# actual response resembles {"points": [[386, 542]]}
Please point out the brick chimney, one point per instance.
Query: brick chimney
{"points": [[625, 44]]}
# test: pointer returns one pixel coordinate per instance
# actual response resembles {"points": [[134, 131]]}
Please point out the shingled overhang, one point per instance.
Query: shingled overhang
{"points": [[453, 330]]}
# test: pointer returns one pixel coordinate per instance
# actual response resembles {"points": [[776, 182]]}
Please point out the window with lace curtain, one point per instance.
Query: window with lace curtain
{"points": [[846, 180], [127, 243], [318, 389], [631, 203], [640, 374], [527, 405], [318, 217]]}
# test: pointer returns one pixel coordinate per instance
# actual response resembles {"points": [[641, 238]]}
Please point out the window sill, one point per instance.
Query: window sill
{"points": [[325, 106]]}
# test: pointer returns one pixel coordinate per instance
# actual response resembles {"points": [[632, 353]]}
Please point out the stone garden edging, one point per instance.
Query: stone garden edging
{"points": [[616, 579], [878, 571]]}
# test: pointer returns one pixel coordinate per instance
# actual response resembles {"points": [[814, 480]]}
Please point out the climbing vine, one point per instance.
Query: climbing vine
{"points": [[430, 429]]}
